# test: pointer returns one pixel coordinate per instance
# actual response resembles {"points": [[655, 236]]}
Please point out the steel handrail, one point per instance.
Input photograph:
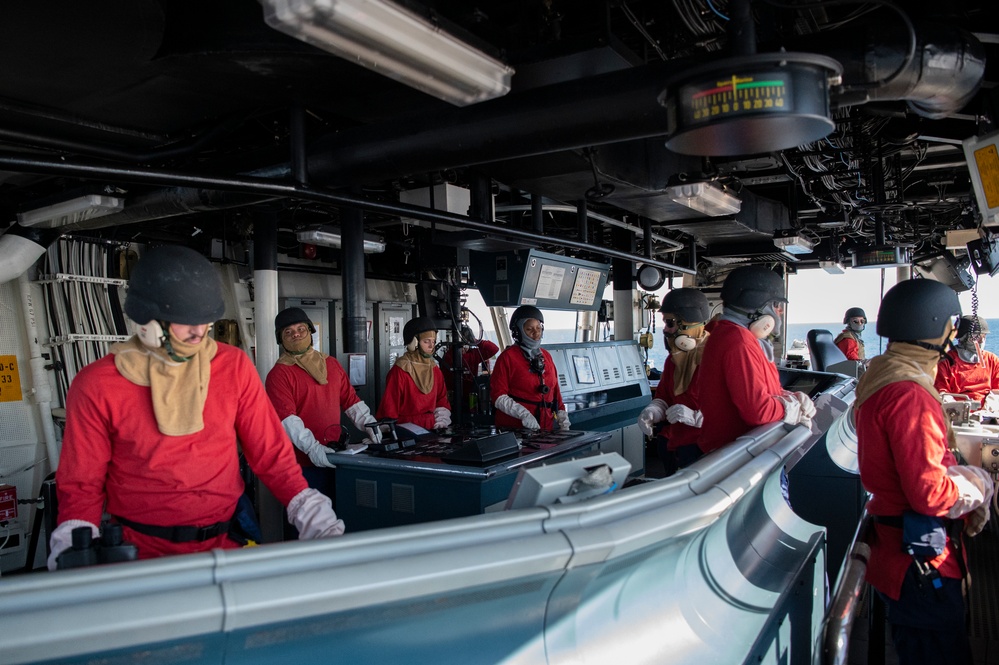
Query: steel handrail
{"points": [[838, 623]]}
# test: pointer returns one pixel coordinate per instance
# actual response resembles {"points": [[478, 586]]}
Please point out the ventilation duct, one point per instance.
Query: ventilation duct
{"points": [[940, 77]]}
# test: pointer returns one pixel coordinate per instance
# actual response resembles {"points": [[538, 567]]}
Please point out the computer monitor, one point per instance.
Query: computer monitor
{"points": [[551, 483]]}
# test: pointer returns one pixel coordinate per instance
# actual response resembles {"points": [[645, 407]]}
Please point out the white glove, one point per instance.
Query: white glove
{"points": [[563, 420], [312, 514], [976, 520], [442, 418], [792, 410], [804, 402], [360, 415], [974, 486], [516, 410], [678, 413], [807, 405], [62, 539], [305, 441], [654, 413]]}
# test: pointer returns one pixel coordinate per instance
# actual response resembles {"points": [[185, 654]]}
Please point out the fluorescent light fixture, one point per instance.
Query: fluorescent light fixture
{"points": [[393, 41], [70, 211], [706, 198], [328, 237], [832, 267], [794, 243]]}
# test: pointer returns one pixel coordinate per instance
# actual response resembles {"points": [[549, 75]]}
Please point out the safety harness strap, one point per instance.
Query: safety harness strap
{"points": [[539, 403], [177, 534]]}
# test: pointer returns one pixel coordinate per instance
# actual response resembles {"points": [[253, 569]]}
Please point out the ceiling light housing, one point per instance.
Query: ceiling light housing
{"points": [[832, 267], [329, 237], [395, 42], [794, 242], [70, 211], [705, 197]]}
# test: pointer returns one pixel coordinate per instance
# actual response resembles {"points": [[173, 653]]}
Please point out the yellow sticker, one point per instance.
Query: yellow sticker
{"points": [[10, 380], [987, 160]]}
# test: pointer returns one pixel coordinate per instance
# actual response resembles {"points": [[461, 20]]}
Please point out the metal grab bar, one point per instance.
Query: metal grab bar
{"points": [[838, 622]]}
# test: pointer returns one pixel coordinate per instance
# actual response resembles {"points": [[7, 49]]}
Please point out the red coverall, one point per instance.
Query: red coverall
{"points": [[903, 463], [736, 386], [403, 400], [846, 341], [294, 392], [114, 452], [512, 376], [677, 434], [972, 379], [472, 360]]}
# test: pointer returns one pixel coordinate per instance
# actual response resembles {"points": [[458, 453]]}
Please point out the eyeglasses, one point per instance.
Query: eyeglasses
{"points": [[291, 331], [858, 320], [669, 323]]}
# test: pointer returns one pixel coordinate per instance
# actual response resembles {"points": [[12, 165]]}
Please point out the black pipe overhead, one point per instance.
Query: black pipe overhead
{"points": [[607, 108], [267, 189], [622, 105], [354, 295]]}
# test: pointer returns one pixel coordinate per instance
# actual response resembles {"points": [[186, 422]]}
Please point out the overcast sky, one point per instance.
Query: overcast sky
{"points": [[815, 296]]}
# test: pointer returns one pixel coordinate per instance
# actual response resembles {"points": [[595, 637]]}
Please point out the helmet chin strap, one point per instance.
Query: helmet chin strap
{"points": [[942, 349], [156, 334], [168, 347]]}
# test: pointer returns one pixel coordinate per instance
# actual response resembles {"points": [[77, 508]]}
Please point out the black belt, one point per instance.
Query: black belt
{"points": [[540, 403], [894, 521], [177, 534]]}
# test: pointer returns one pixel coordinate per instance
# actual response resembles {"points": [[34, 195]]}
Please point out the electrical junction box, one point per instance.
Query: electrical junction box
{"points": [[959, 238], [8, 503], [447, 198]]}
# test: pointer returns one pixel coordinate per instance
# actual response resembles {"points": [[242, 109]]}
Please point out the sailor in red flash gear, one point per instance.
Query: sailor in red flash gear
{"points": [[684, 312], [850, 341], [477, 356], [906, 465], [152, 429], [309, 390], [524, 382], [738, 387], [474, 355], [414, 388], [968, 369]]}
